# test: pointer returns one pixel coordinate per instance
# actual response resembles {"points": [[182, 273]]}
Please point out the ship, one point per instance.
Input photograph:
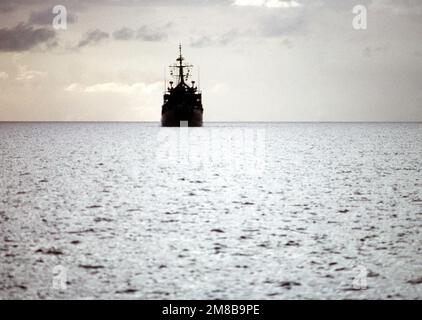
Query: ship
{"points": [[182, 101]]}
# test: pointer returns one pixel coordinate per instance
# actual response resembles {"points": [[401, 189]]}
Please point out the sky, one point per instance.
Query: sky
{"points": [[259, 60]]}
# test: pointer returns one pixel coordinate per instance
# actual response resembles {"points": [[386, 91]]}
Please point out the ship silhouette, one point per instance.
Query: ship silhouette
{"points": [[182, 102]]}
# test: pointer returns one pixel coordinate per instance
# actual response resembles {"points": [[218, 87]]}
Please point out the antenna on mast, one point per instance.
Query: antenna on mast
{"points": [[165, 79], [181, 66], [199, 78]]}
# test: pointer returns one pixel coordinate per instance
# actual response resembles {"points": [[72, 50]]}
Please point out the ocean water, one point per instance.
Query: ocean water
{"points": [[228, 211]]}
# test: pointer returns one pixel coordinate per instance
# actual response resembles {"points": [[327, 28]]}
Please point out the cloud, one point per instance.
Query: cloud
{"points": [[146, 34], [24, 37], [26, 74], [10, 5], [4, 75], [398, 7], [115, 87], [124, 34], [93, 37], [219, 40], [45, 17], [285, 4], [6, 7]]}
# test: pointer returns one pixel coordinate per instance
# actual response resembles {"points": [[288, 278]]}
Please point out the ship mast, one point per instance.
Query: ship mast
{"points": [[180, 59], [180, 66]]}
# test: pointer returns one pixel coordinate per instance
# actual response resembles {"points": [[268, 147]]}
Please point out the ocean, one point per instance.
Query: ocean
{"points": [[227, 211]]}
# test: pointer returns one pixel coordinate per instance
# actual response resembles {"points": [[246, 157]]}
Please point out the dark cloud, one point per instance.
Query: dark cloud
{"points": [[124, 34], [93, 37], [144, 33], [12, 5], [220, 40], [46, 17], [25, 37], [200, 42], [6, 7]]}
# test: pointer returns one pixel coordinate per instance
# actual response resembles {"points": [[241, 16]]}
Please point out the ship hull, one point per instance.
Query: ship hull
{"points": [[175, 118]]}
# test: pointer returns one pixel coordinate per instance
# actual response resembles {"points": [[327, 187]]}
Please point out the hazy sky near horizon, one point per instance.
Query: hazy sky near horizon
{"points": [[260, 60]]}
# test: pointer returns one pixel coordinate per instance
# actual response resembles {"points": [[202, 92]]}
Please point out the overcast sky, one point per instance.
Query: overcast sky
{"points": [[260, 60]]}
